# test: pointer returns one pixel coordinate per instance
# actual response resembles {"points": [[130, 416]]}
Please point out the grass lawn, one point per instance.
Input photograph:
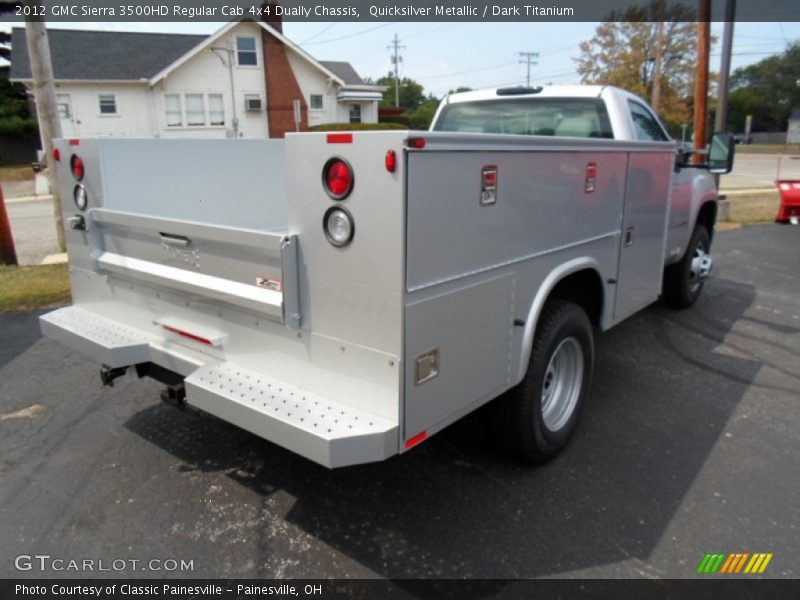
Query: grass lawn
{"points": [[768, 149], [16, 173], [26, 288]]}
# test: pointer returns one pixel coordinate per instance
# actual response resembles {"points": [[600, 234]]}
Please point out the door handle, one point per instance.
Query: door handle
{"points": [[629, 236], [174, 240]]}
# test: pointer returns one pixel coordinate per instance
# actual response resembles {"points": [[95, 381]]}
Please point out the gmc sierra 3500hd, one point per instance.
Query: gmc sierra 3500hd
{"points": [[346, 295]]}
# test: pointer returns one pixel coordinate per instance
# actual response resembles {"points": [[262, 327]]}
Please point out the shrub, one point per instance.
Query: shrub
{"points": [[17, 127], [356, 126], [399, 119]]}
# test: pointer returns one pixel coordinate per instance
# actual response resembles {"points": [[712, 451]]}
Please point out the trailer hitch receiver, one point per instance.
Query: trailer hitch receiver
{"points": [[109, 374]]}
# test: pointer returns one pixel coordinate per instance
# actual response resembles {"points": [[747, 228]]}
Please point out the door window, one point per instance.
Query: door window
{"points": [[645, 125]]}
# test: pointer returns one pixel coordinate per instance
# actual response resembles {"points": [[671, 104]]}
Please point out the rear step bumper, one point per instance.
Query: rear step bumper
{"points": [[315, 426]]}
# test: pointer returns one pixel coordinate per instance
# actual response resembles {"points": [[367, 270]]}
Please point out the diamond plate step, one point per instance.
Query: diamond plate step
{"points": [[315, 426], [102, 339]]}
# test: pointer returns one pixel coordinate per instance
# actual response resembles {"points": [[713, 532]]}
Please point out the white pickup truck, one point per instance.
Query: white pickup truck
{"points": [[346, 295]]}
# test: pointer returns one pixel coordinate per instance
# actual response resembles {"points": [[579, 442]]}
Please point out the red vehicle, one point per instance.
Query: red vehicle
{"points": [[789, 188]]}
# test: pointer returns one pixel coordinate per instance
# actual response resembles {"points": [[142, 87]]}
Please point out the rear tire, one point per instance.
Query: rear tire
{"points": [[684, 281], [536, 419]]}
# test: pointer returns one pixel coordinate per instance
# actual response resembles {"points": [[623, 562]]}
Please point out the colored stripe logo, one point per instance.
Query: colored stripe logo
{"points": [[734, 563]]}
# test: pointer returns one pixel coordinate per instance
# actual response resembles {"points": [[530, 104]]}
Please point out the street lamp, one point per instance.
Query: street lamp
{"points": [[229, 64]]}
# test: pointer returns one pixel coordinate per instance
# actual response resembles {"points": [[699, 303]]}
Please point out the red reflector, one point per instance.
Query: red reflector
{"points": [[490, 176], [76, 164], [340, 138], [416, 439], [591, 177], [74, 142], [391, 161], [56, 154], [418, 143], [338, 178], [186, 334]]}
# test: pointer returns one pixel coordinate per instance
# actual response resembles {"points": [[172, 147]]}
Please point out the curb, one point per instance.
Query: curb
{"points": [[20, 199]]}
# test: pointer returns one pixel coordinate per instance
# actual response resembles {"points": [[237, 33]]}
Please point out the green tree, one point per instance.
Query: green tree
{"points": [[624, 49], [768, 90], [421, 117], [15, 117], [411, 93]]}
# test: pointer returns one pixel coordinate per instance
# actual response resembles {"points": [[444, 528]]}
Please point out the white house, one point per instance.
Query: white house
{"points": [[247, 77]]}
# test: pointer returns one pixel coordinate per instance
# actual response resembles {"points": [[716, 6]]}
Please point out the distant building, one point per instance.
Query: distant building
{"points": [[793, 130], [170, 85]]}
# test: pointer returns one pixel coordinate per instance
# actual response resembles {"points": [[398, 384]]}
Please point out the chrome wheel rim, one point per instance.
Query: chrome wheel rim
{"points": [[700, 267], [562, 383]]}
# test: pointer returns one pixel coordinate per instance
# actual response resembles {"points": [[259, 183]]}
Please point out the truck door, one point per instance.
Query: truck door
{"points": [[644, 220]]}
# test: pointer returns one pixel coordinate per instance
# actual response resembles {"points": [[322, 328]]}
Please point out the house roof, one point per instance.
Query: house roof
{"points": [[118, 56], [344, 71], [103, 55]]}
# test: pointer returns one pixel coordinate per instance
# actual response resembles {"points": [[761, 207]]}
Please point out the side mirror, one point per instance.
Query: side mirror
{"points": [[720, 154]]}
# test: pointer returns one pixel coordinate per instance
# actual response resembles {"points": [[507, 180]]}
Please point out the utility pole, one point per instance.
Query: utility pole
{"points": [[396, 60], [229, 64], [44, 90], [721, 118], [656, 99], [701, 78], [527, 58]]}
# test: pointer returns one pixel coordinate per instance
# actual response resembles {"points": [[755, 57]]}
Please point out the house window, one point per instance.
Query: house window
{"points": [[108, 104], [63, 105], [315, 102], [172, 104], [195, 110], [216, 110], [246, 51], [355, 113]]}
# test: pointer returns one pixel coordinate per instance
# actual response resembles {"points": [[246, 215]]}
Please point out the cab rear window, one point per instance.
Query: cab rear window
{"points": [[561, 117]]}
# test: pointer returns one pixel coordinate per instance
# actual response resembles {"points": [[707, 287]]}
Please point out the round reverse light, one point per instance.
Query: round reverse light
{"points": [[338, 226], [76, 165], [79, 196], [337, 178]]}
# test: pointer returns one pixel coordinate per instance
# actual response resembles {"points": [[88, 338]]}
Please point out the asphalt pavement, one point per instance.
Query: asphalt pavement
{"points": [[690, 443]]}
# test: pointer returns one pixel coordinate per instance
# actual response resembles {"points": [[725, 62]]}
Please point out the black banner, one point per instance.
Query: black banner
{"points": [[700, 589], [401, 10]]}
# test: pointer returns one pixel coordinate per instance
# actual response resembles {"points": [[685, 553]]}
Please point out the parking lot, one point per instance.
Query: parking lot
{"points": [[689, 444]]}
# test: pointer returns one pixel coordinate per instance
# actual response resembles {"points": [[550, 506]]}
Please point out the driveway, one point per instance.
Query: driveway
{"points": [[687, 446]]}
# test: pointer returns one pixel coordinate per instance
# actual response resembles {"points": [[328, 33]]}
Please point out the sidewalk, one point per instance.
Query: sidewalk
{"points": [[32, 225]]}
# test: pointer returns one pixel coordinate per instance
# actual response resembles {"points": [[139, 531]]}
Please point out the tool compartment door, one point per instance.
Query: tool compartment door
{"points": [[644, 228], [199, 220]]}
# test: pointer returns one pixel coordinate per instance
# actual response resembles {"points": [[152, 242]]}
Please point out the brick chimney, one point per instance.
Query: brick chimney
{"points": [[282, 86]]}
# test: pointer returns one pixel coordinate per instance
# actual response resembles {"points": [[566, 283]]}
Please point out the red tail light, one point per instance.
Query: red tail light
{"points": [[76, 164], [56, 154], [337, 178], [391, 161]]}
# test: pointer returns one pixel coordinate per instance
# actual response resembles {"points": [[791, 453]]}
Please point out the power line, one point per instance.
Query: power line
{"points": [[346, 37], [527, 58], [321, 31], [453, 74]]}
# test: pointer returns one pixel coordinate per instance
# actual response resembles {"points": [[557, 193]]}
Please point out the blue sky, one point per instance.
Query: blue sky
{"points": [[443, 56]]}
